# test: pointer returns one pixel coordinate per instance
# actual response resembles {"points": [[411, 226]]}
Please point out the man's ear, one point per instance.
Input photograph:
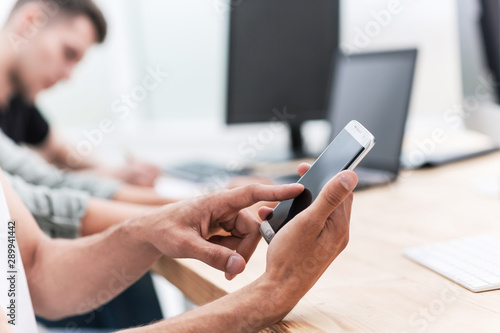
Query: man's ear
{"points": [[28, 20]]}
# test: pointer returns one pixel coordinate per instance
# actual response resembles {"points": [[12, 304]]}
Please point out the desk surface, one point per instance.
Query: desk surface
{"points": [[371, 287]]}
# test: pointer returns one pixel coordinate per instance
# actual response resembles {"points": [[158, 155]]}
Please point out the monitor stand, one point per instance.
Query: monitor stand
{"points": [[297, 147], [296, 150]]}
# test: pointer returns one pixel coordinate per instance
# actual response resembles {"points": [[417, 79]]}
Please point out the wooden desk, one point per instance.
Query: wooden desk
{"points": [[371, 287]]}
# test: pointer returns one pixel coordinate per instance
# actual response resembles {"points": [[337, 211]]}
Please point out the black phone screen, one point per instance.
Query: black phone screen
{"points": [[337, 157]]}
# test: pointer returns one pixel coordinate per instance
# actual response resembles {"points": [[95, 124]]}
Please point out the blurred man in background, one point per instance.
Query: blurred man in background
{"points": [[45, 48]]}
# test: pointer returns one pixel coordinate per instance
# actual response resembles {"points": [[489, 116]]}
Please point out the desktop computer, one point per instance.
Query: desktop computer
{"points": [[479, 31], [280, 58], [279, 69], [490, 28], [467, 261]]}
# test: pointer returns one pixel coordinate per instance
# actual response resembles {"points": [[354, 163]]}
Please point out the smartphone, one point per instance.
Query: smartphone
{"points": [[344, 153]]}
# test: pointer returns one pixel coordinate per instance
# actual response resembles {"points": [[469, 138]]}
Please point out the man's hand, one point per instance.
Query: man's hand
{"points": [[216, 229], [303, 249], [297, 256]]}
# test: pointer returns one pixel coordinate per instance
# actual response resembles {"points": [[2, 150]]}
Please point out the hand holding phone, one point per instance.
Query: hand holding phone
{"points": [[344, 153]]}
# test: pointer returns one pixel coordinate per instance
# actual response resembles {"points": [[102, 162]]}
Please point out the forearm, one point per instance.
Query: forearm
{"points": [[67, 158], [103, 214], [255, 307], [73, 277], [56, 151], [140, 195]]}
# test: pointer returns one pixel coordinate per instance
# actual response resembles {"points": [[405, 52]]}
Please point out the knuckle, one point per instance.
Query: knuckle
{"points": [[223, 192], [334, 197], [344, 224], [254, 192], [252, 187], [213, 256], [183, 240], [204, 200]]}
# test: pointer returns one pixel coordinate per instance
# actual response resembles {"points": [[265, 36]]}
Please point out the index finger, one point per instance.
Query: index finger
{"points": [[246, 196]]}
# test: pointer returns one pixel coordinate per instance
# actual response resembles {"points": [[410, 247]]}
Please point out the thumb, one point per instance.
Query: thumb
{"points": [[217, 256], [333, 194]]}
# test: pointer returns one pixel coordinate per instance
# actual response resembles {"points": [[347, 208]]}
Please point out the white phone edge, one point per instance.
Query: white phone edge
{"points": [[365, 139]]}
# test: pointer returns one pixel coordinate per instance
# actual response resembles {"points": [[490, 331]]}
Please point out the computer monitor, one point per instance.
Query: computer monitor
{"points": [[490, 28], [280, 57], [480, 64], [375, 89], [479, 32]]}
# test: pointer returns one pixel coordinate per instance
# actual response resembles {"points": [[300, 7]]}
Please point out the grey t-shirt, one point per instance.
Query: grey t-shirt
{"points": [[58, 212], [22, 162], [57, 199]]}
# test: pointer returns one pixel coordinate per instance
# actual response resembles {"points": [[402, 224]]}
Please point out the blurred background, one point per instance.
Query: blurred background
{"points": [[183, 118], [189, 38]]}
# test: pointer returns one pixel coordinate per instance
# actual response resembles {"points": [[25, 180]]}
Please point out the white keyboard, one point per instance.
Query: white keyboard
{"points": [[473, 262]]}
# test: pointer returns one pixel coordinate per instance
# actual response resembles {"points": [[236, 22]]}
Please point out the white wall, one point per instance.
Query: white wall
{"points": [[187, 38], [427, 24]]}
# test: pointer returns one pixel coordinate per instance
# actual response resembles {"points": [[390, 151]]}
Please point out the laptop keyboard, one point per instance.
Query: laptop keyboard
{"points": [[473, 263], [201, 172]]}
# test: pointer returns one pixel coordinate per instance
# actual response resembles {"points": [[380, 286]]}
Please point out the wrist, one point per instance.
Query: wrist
{"points": [[138, 233], [279, 297]]}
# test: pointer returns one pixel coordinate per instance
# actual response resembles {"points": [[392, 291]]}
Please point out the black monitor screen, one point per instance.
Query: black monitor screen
{"points": [[375, 89], [280, 55], [490, 26]]}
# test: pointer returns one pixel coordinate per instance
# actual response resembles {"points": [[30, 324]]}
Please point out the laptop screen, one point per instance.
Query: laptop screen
{"points": [[375, 89]]}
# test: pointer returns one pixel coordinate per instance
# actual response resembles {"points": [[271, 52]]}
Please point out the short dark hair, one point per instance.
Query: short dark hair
{"points": [[87, 8]]}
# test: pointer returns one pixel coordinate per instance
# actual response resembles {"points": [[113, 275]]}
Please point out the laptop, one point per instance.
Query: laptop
{"points": [[374, 89]]}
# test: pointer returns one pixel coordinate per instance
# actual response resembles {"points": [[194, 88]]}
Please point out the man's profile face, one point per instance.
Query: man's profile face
{"points": [[51, 55]]}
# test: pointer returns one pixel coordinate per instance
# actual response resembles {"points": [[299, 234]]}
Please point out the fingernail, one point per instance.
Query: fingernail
{"points": [[233, 265], [348, 180]]}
